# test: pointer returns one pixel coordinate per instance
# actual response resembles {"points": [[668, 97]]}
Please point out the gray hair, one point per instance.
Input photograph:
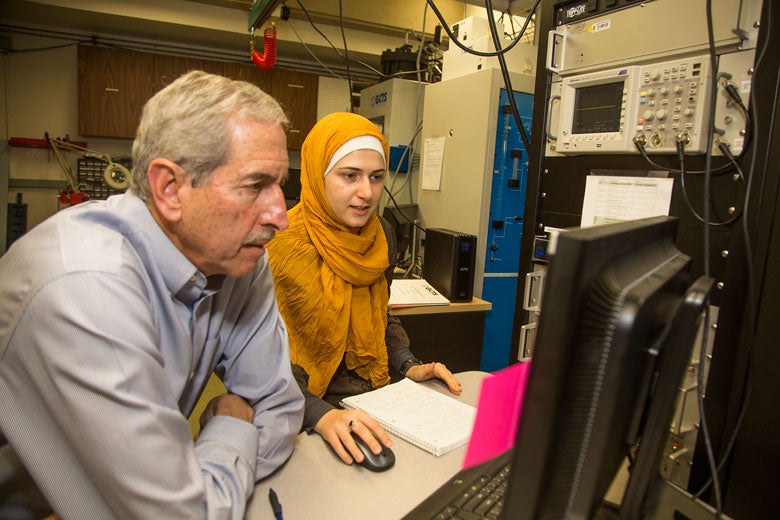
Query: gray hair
{"points": [[188, 121]]}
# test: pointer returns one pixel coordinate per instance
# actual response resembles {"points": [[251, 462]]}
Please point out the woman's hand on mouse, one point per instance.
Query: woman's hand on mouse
{"points": [[337, 425], [435, 371]]}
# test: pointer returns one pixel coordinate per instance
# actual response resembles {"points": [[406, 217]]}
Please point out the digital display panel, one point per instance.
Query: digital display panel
{"points": [[597, 108]]}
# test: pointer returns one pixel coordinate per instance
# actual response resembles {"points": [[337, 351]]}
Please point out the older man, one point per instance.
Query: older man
{"points": [[114, 314]]}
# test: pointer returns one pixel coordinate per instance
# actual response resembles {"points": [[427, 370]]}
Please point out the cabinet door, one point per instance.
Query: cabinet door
{"points": [[297, 93], [251, 73], [168, 68], [113, 85]]}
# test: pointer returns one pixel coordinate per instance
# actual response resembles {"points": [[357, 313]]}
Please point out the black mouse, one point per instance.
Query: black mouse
{"points": [[372, 461]]}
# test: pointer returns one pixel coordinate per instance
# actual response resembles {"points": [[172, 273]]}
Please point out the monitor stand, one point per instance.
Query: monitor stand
{"points": [[671, 499]]}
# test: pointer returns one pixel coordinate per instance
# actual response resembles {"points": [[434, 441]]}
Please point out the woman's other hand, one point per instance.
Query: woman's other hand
{"points": [[435, 371]]}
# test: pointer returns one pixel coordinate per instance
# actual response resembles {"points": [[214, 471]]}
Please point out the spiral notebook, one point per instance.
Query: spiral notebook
{"points": [[424, 417]]}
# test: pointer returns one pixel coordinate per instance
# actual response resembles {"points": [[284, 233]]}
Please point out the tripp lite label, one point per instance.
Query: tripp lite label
{"points": [[576, 10]]}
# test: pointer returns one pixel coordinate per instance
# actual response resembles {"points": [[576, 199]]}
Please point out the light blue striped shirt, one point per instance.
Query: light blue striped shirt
{"points": [[108, 335]]}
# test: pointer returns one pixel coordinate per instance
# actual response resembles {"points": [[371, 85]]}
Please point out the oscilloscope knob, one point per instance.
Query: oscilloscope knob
{"points": [[661, 114], [649, 115]]}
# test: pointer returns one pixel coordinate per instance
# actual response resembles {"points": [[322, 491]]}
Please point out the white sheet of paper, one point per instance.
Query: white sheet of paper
{"points": [[614, 199], [415, 291], [433, 157]]}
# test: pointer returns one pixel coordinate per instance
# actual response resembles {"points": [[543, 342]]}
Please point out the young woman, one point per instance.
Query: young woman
{"points": [[332, 271]]}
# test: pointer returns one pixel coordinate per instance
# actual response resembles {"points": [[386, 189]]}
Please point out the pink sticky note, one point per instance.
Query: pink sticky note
{"points": [[498, 414]]}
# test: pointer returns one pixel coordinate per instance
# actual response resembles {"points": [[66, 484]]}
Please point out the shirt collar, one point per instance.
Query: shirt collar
{"points": [[181, 276]]}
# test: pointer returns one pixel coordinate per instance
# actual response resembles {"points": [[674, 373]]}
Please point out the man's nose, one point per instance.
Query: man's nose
{"points": [[275, 211]]}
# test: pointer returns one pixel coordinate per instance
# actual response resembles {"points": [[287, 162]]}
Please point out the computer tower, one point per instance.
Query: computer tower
{"points": [[448, 263]]}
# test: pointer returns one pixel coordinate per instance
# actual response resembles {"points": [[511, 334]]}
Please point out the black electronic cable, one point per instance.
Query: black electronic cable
{"points": [[422, 44], [751, 368], [346, 59], [752, 293], [726, 151], [305, 46], [706, 253], [724, 169], [510, 93], [408, 151], [732, 91], [497, 52], [404, 215], [412, 222], [49, 48], [682, 172], [338, 52]]}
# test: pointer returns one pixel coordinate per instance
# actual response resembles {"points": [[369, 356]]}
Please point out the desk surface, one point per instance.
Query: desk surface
{"points": [[474, 305], [315, 484]]}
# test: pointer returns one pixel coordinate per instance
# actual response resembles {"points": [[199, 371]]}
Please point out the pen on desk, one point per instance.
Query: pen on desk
{"points": [[275, 505]]}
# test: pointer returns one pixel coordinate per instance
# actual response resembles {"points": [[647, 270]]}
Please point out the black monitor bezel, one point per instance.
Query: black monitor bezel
{"points": [[580, 259], [401, 218]]}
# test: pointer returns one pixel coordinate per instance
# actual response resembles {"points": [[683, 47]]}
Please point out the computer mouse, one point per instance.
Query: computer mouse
{"points": [[371, 461]]}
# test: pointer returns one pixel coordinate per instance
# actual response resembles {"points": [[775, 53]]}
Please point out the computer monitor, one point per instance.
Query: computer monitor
{"points": [[619, 317], [401, 218]]}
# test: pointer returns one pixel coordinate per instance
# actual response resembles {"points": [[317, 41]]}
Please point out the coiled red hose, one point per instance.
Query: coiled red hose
{"points": [[267, 59]]}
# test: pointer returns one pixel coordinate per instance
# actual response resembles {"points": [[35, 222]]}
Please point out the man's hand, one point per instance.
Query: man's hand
{"points": [[336, 426], [228, 404], [435, 371]]}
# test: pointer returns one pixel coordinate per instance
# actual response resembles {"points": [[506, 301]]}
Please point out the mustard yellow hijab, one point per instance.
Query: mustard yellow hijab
{"points": [[329, 281]]}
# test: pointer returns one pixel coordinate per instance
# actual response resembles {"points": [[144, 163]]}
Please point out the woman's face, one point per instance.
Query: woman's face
{"points": [[354, 186]]}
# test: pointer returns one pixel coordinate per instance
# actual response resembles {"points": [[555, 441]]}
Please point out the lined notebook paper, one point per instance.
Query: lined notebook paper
{"points": [[424, 417]]}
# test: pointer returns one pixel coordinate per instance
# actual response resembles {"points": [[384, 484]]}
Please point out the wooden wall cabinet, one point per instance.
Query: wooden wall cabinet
{"points": [[114, 84], [168, 68], [251, 73], [297, 93]]}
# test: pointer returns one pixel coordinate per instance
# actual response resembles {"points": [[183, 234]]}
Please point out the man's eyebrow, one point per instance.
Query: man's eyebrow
{"points": [[267, 177]]}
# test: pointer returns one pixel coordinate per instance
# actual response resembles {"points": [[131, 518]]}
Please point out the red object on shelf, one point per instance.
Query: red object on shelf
{"points": [[73, 197], [27, 142], [267, 60]]}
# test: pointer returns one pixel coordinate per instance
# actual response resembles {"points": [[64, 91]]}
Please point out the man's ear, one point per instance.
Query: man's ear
{"points": [[166, 179]]}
